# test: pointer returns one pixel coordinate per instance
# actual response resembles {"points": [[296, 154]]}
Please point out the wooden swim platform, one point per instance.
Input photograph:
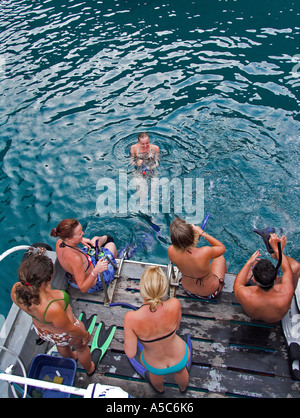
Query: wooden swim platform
{"points": [[233, 356]]}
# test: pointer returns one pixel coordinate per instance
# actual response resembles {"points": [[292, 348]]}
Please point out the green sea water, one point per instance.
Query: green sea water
{"points": [[214, 83]]}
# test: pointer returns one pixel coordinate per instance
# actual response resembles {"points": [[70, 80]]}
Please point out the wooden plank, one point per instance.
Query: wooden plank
{"points": [[128, 292], [213, 380], [111, 316], [212, 354], [218, 380], [217, 351], [233, 355], [232, 332], [139, 388]]}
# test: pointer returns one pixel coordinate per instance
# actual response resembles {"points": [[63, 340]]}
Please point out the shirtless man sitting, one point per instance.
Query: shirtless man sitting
{"points": [[270, 300], [144, 153]]}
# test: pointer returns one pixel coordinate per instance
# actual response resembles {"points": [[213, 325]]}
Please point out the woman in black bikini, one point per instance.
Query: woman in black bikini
{"points": [[203, 269], [82, 269], [155, 325]]}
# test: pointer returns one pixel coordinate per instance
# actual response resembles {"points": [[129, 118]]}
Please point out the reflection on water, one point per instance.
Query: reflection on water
{"points": [[215, 85]]}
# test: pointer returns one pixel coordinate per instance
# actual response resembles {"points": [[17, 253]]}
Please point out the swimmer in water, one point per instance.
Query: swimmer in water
{"points": [[144, 155]]}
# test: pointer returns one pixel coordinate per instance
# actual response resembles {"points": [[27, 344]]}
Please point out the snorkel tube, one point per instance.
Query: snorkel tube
{"points": [[279, 258], [269, 285], [205, 222]]}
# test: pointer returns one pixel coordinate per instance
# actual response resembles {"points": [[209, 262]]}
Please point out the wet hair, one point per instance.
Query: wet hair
{"points": [[65, 229], [265, 274], [154, 286], [34, 270], [143, 135], [182, 234]]}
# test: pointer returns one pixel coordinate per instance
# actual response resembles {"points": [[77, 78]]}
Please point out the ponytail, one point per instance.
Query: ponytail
{"points": [[154, 287], [35, 270], [27, 295], [65, 229], [53, 233], [153, 303]]}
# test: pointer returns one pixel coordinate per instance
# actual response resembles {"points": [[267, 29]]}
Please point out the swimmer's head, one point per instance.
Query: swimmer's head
{"points": [[182, 234], [144, 141]]}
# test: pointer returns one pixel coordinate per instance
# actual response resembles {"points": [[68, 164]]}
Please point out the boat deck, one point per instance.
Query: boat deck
{"points": [[233, 356]]}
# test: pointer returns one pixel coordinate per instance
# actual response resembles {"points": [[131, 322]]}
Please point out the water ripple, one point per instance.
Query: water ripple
{"points": [[216, 87]]}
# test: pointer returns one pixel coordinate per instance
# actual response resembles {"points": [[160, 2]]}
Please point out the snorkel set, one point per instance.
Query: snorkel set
{"points": [[264, 272]]}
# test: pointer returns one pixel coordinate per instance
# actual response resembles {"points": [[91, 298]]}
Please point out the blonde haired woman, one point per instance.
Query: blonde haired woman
{"points": [[155, 325]]}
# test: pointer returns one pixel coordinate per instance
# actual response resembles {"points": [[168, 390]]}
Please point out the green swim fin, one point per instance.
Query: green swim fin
{"points": [[101, 341], [89, 323]]}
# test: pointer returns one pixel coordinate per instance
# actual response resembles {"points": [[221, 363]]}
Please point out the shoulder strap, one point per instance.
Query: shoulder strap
{"points": [[55, 300]]}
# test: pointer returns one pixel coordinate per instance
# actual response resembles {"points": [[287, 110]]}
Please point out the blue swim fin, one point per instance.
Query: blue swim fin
{"points": [[265, 234], [187, 339], [135, 361], [128, 251]]}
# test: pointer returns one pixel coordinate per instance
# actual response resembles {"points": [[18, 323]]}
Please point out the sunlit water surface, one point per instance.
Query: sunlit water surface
{"points": [[214, 83]]}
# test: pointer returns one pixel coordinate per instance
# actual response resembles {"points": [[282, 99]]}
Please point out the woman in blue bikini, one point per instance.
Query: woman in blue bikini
{"points": [[81, 267], [155, 325]]}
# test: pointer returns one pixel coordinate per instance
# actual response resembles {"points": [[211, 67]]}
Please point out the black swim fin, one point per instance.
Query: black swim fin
{"points": [[265, 234], [89, 323], [101, 342]]}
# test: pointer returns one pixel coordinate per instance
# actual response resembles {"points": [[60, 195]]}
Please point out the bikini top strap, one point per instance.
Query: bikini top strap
{"points": [[158, 339], [63, 245], [65, 299]]}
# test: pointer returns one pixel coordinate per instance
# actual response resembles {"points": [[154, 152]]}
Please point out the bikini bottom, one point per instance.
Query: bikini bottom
{"points": [[63, 339], [209, 297], [168, 370]]}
